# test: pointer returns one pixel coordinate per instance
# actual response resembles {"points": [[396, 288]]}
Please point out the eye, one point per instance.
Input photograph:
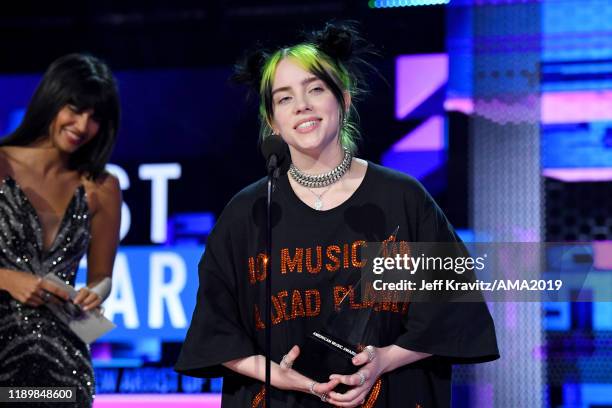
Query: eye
{"points": [[283, 100], [317, 90]]}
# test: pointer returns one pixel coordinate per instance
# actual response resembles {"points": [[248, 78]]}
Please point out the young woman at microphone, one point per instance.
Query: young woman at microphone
{"points": [[324, 209]]}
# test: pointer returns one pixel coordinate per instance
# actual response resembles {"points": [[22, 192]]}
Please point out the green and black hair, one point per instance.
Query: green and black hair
{"points": [[331, 55]]}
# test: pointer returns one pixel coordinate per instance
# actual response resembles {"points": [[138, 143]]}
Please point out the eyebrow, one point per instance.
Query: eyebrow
{"points": [[305, 81]]}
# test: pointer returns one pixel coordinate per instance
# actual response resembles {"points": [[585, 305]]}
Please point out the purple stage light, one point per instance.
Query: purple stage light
{"points": [[421, 151], [418, 78], [514, 109], [555, 107], [511, 110], [429, 136], [579, 174], [157, 401], [463, 105], [483, 395], [602, 255], [576, 106]]}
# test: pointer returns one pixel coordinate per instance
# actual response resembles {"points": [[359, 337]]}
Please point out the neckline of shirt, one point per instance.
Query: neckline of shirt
{"points": [[287, 190]]}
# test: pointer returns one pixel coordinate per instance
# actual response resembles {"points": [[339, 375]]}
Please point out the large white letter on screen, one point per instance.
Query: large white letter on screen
{"points": [[159, 174], [124, 184], [121, 299], [168, 292]]}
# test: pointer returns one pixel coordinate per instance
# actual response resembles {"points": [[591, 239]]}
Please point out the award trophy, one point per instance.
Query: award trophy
{"points": [[331, 348]]}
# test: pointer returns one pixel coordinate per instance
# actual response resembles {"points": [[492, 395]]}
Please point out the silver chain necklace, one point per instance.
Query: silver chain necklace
{"points": [[325, 179], [318, 204]]}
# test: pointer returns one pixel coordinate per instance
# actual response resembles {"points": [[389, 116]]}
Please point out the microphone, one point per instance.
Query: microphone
{"points": [[275, 151]]}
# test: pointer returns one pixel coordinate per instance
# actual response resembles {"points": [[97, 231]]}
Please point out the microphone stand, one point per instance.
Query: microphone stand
{"points": [[273, 173]]}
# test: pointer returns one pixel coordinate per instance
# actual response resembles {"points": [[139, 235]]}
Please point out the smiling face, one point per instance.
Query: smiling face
{"points": [[73, 128], [306, 112]]}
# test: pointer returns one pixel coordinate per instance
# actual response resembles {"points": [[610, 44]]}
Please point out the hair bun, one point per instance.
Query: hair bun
{"points": [[338, 40], [248, 70]]}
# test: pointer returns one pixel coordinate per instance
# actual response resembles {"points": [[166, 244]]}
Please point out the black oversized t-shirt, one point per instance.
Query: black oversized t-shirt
{"points": [[315, 260]]}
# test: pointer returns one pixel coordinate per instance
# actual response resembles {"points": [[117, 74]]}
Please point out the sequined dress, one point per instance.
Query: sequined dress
{"points": [[36, 349]]}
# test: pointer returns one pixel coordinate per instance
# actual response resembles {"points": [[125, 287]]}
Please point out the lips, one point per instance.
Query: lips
{"points": [[73, 138], [303, 122], [307, 125]]}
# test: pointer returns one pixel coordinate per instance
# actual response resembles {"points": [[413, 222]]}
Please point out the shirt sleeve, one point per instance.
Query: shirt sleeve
{"points": [[216, 334], [462, 332]]}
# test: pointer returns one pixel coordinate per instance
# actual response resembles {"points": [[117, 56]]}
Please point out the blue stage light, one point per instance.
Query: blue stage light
{"points": [[405, 3]]}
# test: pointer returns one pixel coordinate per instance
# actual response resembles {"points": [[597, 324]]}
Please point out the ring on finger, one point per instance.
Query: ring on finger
{"points": [[313, 392], [285, 363], [311, 387], [362, 378], [46, 296], [371, 352]]}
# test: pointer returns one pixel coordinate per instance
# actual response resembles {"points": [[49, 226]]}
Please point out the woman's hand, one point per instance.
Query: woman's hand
{"points": [[375, 361], [362, 381], [283, 376], [87, 299], [30, 289], [299, 382]]}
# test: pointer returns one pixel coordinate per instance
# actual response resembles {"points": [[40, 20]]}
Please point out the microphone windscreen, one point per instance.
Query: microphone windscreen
{"points": [[275, 145]]}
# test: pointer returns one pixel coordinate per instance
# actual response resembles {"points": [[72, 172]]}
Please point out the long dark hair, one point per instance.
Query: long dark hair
{"points": [[86, 83]]}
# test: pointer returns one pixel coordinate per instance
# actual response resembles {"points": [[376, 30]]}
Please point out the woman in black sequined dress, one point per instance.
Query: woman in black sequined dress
{"points": [[56, 204]]}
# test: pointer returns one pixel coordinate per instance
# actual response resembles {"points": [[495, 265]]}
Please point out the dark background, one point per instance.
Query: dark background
{"points": [[207, 38]]}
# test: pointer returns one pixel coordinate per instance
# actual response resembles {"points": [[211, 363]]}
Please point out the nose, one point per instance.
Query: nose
{"points": [[302, 105], [82, 121]]}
